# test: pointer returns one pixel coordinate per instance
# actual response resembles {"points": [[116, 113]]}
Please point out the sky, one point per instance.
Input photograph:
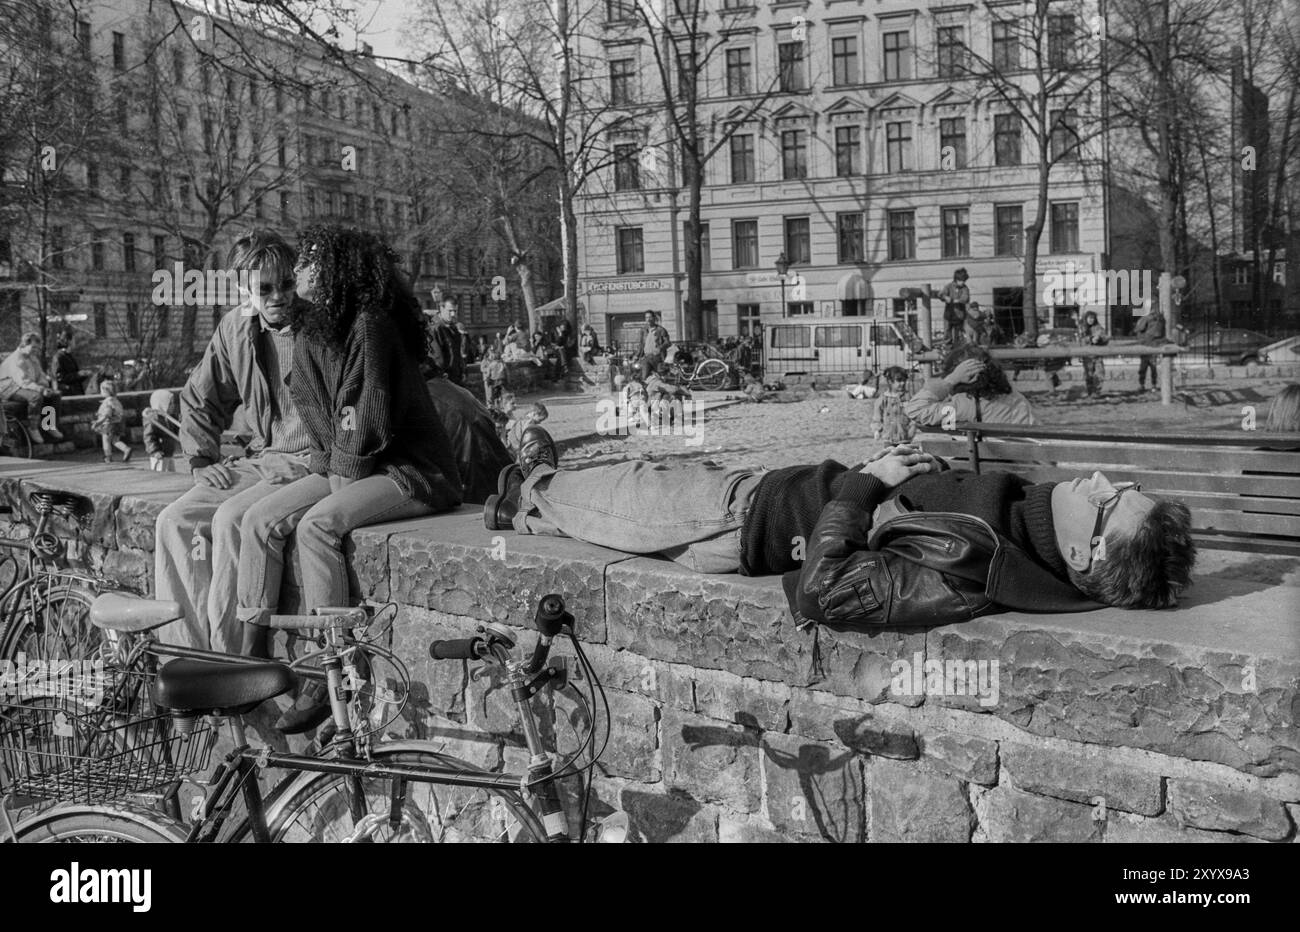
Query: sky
{"points": [[386, 21]]}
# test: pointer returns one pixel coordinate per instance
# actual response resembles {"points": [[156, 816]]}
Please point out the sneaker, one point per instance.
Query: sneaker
{"points": [[126, 457], [536, 447], [309, 710], [54, 436]]}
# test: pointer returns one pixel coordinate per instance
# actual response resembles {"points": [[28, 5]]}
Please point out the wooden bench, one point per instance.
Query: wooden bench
{"points": [[1243, 487]]}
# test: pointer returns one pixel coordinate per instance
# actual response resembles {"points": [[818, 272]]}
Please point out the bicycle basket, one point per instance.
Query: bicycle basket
{"points": [[90, 744]]}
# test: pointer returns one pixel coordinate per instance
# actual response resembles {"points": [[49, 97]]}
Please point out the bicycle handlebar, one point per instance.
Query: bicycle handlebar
{"points": [[456, 649]]}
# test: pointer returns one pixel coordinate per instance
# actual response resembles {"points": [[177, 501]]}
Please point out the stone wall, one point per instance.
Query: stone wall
{"points": [[731, 725]]}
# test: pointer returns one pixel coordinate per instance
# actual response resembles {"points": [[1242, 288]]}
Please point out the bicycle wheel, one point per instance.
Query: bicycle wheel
{"points": [[712, 375], [316, 808], [16, 441], [48, 620], [99, 825]]}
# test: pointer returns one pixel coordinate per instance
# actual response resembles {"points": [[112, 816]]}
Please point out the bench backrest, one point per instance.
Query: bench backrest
{"points": [[1243, 488]]}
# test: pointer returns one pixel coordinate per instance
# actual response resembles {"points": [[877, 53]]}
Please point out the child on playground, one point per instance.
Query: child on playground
{"points": [[110, 423], [494, 377], [889, 422], [160, 426]]}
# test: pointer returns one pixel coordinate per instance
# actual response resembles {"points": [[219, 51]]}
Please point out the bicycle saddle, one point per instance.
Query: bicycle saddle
{"points": [[75, 507], [118, 612], [201, 685]]}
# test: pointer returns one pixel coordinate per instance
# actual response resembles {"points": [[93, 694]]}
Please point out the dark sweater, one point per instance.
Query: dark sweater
{"points": [[368, 411], [788, 503]]}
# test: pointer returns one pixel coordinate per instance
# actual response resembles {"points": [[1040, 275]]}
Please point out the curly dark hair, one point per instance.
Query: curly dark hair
{"points": [[990, 383], [359, 274]]}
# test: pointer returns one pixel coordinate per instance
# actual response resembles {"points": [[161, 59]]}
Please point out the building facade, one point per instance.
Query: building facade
{"points": [[202, 147], [864, 155]]}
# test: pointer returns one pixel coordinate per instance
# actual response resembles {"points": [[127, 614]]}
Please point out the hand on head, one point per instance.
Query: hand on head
{"points": [[965, 372]]}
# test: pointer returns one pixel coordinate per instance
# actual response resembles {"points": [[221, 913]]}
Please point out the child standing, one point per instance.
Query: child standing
{"points": [[160, 426], [494, 377], [888, 420], [110, 423]]}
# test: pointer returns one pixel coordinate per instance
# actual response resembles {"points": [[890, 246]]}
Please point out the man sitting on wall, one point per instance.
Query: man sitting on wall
{"points": [[28, 390], [247, 362], [899, 540]]}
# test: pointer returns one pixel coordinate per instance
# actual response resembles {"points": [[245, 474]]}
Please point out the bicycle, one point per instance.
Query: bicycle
{"points": [[155, 726], [45, 608], [710, 375], [14, 439]]}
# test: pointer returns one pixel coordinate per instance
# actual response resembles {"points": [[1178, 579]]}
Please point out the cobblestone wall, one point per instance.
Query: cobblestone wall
{"points": [[730, 725]]}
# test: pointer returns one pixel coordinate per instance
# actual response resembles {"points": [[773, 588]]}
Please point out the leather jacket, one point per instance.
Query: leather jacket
{"points": [[916, 568]]}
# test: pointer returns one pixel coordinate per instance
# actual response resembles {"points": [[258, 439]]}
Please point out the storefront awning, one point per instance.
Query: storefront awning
{"points": [[852, 287]]}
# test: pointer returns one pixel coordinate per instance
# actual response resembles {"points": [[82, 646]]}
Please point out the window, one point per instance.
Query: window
{"points": [[207, 135], [124, 179], [855, 307], [740, 68], [848, 151], [956, 232], [363, 208], [706, 260], [257, 208], [1065, 227], [1006, 139], [790, 337], [1006, 46], [122, 112], [631, 250], [97, 256], [83, 37], [378, 118], [951, 48], [744, 244], [838, 336], [620, 82], [618, 11], [178, 66], [898, 56], [1008, 230], [748, 319], [252, 93], [159, 251], [898, 147], [1065, 135], [790, 58], [794, 154], [687, 68], [742, 158], [58, 248], [1060, 40], [205, 76], [902, 234], [92, 177], [627, 174], [99, 315], [133, 321], [952, 135], [798, 244], [852, 237], [119, 52], [799, 309], [311, 202], [844, 61], [281, 152], [163, 317], [279, 99], [128, 252]]}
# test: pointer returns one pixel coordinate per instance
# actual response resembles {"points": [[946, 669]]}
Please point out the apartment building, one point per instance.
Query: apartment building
{"points": [[210, 147], [864, 158]]}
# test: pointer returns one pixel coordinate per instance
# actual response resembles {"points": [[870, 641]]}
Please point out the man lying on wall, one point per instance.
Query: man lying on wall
{"points": [[899, 540]]}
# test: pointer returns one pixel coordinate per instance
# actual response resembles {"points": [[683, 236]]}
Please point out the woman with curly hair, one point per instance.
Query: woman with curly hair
{"points": [[972, 387], [378, 448]]}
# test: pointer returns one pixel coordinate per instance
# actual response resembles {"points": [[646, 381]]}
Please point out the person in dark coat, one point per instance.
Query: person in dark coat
{"points": [[472, 432]]}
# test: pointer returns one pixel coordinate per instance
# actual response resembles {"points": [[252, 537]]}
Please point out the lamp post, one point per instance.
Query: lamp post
{"points": [[782, 266]]}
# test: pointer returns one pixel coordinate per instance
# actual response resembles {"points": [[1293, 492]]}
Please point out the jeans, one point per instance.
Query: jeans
{"points": [[1147, 363], [693, 515], [196, 551], [321, 520]]}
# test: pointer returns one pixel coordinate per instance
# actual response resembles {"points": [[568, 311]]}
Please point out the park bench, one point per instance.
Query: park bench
{"points": [[1243, 487]]}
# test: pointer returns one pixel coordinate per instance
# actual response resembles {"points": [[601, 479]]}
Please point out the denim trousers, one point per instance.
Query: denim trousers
{"points": [[196, 551], [320, 520], [693, 515]]}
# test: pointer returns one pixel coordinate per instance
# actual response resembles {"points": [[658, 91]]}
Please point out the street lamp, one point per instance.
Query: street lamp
{"points": [[782, 266]]}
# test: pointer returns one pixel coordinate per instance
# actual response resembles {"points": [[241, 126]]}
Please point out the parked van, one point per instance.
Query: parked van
{"points": [[834, 346]]}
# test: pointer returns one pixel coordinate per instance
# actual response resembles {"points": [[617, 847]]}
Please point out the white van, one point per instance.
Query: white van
{"points": [[834, 346]]}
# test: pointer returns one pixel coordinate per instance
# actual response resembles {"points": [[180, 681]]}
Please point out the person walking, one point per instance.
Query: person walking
{"points": [[110, 423], [654, 344], [1150, 331], [67, 373]]}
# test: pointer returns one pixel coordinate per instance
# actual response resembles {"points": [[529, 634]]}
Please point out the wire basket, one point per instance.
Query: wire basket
{"points": [[98, 744]]}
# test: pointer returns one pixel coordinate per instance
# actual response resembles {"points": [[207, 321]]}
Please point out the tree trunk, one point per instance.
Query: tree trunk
{"points": [[693, 315], [1164, 164], [569, 249], [519, 259], [1033, 236]]}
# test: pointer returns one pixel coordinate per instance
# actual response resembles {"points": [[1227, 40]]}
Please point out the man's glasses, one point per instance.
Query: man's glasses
{"points": [[1103, 500], [265, 289]]}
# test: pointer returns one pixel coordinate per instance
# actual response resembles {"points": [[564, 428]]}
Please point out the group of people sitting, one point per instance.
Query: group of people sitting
{"points": [[325, 359]]}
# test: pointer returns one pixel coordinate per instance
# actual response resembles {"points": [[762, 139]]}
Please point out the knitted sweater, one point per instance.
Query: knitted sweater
{"points": [[788, 503], [368, 411]]}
